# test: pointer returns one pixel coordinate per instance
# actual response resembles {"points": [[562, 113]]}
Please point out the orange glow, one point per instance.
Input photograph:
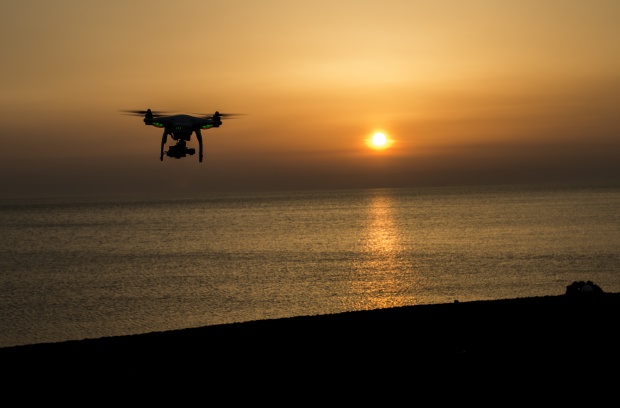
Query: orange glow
{"points": [[535, 102]]}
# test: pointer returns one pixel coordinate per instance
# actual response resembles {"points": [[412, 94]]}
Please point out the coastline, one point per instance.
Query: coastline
{"points": [[549, 333]]}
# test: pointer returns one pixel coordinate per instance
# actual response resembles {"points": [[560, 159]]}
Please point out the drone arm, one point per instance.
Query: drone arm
{"points": [[164, 138], [199, 137]]}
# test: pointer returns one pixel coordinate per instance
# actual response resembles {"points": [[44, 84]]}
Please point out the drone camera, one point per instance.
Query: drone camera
{"points": [[179, 151]]}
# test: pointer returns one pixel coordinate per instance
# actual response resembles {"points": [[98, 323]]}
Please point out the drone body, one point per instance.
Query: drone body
{"points": [[180, 129]]}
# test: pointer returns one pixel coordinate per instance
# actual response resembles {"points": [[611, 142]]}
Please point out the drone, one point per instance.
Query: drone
{"points": [[180, 129]]}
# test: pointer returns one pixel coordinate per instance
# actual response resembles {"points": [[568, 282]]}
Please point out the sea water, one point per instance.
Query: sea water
{"points": [[77, 268]]}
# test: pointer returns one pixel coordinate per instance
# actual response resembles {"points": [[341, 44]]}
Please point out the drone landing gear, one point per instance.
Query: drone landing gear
{"points": [[199, 137], [164, 138]]}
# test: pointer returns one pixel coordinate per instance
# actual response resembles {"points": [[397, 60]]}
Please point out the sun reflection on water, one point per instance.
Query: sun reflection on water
{"points": [[384, 277]]}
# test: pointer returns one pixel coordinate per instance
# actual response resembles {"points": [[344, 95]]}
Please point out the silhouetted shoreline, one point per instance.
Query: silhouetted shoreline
{"points": [[550, 333]]}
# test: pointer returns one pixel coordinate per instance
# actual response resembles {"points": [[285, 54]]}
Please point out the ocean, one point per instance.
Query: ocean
{"points": [[78, 268]]}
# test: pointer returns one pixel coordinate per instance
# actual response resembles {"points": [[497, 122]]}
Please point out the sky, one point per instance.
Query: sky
{"points": [[468, 93]]}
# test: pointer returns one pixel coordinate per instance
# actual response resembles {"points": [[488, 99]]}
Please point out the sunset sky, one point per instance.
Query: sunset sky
{"points": [[467, 93]]}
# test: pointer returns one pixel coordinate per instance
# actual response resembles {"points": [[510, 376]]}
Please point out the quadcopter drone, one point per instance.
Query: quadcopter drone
{"points": [[180, 129]]}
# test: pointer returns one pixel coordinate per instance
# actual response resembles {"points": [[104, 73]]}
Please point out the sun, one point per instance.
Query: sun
{"points": [[379, 141]]}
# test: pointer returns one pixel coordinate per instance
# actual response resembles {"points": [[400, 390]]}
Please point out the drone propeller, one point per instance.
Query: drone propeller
{"points": [[156, 114], [221, 115]]}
